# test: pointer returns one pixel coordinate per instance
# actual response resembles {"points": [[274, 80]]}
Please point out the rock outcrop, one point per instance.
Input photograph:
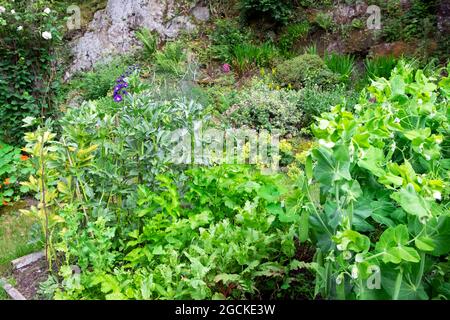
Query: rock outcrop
{"points": [[112, 31]]}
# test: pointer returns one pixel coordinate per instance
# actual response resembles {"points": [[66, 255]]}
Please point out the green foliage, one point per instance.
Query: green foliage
{"points": [[418, 21], [149, 41], [28, 83], [305, 70], [341, 64], [226, 35], [293, 33], [288, 111], [247, 56], [13, 168], [279, 11], [380, 67], [99, 82], [324, 21], [225, 236], [315, 101], [262, 108], [383, 208], [172, 59], [315, 3]]}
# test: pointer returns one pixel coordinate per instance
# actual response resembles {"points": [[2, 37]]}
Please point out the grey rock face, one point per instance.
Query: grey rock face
{"points": [[112, 29]]}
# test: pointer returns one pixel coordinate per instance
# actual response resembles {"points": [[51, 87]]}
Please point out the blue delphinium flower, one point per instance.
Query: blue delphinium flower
{"points": [[119, 89]]}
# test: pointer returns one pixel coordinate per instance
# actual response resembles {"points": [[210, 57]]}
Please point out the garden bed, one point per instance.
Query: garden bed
{"points": [[29, 271]]}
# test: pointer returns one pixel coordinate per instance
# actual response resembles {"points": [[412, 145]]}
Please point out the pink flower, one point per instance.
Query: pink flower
{"points": [[226, 68]]}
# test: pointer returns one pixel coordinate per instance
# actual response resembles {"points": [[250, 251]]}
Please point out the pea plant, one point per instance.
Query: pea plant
{"points": [[379, 204]]}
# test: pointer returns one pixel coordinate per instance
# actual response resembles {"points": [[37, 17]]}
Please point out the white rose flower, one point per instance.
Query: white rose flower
{"points": [[46, 35], [13, 11], [2, 9], [19, 28], [47, 10], [437, 195]]}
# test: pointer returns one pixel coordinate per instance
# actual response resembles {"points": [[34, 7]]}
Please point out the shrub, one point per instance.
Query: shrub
{"points": [[279, 11], [99, 82], [225, 36], [29, 73], [315, 101], [305, 70], [259, 107]]}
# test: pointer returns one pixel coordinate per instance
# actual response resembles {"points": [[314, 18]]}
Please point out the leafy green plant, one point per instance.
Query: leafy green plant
{"points": [[260, 107], [28, 71], [293, 33], [247, 56], [195, 243], [340, 64], [13, 168], [305, 70], [225, 36], [99, 82], [149, 41], [171, 59], [381, 218], [324, 21], [380, 67], [279, 11]]}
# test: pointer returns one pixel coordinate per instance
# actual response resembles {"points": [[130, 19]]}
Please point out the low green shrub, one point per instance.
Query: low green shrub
{"points": [[279, 11], [100, 81], [259, 107], [305, 70], [225, 36], [289, 111]]}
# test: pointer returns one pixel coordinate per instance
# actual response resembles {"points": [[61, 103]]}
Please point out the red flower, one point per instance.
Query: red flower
{"points": [[24, 157]]}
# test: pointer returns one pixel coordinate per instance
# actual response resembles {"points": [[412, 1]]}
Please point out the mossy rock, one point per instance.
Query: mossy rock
{"points": [[305, 70]]}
